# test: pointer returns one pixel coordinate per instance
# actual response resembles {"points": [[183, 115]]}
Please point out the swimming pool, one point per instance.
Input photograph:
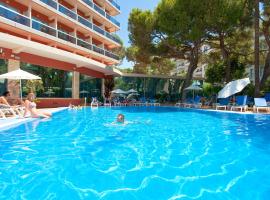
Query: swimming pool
{"points": [[161, 153]]}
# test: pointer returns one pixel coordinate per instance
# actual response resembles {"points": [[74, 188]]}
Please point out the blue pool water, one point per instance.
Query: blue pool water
{"points": [[161, 153]]}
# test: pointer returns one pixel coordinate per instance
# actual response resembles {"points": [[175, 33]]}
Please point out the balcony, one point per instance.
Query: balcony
{"points": [[64, 36], [43, 28], [82, 20], [114, 4], [101, 11], [39, 26], [50, 3], [85, 22], [67, 12], [14, 16]]}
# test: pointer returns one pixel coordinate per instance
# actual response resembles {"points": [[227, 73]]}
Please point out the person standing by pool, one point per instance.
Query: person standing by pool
{"points": [[31, 107]]}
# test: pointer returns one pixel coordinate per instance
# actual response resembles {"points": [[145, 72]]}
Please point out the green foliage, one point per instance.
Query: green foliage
{"points": [[34, 86], [215, 73]]}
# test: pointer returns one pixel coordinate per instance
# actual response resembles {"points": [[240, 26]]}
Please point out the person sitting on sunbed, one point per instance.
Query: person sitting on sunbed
{"points": [[4, 104], [3, 98], [31, 107]]}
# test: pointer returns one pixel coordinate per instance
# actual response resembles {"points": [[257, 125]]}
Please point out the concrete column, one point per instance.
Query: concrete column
{"points": [[13, 86], [76, 85]]}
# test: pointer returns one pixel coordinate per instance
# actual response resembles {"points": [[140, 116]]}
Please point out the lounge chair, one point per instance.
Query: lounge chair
{"points": [[94, 102], [260, 104], [223, 103], [267, 97], [241, 103], [8, 110], [196, 103]]}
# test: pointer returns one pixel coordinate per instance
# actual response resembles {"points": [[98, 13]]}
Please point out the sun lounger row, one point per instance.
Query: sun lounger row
{"points": [[240, 104]]}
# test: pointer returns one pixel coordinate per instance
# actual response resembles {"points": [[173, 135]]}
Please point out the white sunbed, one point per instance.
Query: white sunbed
{"points": [[7, 110], [260, 104]]}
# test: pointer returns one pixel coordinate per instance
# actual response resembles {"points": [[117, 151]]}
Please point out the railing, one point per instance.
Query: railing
{"points": [[84, 44], [14, 16], [85, 22], [112, 20], [114, 4], [50, 3], [98, 29], [98, 49], [101, 11], [112, 55], [36, 25], [43, 28], [64, 36], [67, 12], [88, 2]]}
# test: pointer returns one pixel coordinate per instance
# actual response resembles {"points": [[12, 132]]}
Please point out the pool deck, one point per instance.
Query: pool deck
{"points": [[12, 122]]}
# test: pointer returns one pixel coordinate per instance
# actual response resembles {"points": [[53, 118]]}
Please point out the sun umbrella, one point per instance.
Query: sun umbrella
{"points": [[166, 87], [132, 95], [84, 92], [233, 87], [132, 91], [193, 87], [19, 75], [49, 92], [119, 91]]}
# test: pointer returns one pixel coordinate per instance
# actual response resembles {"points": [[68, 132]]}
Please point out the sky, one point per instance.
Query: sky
{"points": [[126, 7]]}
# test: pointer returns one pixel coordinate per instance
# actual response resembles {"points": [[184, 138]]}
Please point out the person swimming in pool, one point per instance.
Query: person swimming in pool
{"points": [[120, 118]]}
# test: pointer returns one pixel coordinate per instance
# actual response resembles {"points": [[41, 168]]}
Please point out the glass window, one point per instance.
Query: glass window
{"points": [[3, 69], [56, 83], [90, 87]]}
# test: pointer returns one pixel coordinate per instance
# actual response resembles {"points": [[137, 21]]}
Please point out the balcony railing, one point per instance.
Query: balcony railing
{"points": [[85, 22], [113, 20], [82, 20], [101, 11], [112, 55], [84, 44], [43, 28], [50, 3], [64, 36], [36, 25], [98, 49], [67, 12], [14, 16], [98, 29], [114, 4]]}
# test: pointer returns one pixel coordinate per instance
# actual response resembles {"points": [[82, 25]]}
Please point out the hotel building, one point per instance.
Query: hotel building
{"points": [[75, 36]]}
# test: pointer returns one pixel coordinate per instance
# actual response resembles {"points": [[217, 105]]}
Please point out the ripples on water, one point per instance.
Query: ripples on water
{"points": [[161, 153]]}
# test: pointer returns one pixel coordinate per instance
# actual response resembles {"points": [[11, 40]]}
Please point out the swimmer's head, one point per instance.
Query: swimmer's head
{"points": [[121, 118]]}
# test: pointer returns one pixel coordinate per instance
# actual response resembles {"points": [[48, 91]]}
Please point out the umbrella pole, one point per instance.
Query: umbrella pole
{"points": [[21, 89]]}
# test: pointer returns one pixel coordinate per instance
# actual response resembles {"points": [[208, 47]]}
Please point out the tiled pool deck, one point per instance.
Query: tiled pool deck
{"points": [[15, 121]]}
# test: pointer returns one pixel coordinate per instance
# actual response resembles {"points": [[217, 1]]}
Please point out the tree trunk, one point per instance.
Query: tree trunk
{"points": [[193, 64], [257, 49], [266, 71], [225, 57]]}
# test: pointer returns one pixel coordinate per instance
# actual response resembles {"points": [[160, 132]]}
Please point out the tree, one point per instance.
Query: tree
{"points": [[176, 29], [264, 16], [229, 19], [257, 48]]}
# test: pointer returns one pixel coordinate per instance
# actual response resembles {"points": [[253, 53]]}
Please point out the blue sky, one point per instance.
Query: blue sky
{"points": [[126, 7]]}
